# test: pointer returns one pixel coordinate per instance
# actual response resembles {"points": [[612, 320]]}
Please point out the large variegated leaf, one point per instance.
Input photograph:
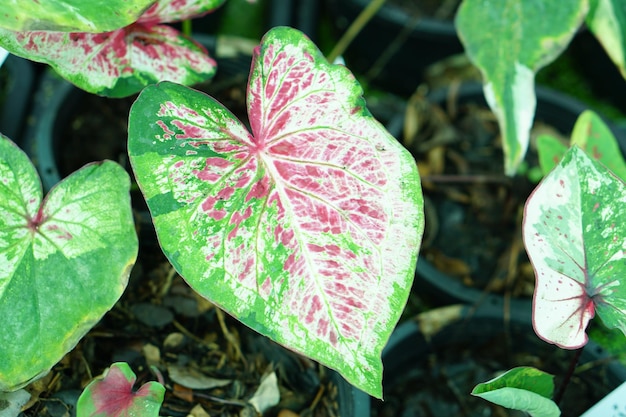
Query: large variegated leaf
{"points": [[71, 15], [64, 260], [306, 229], [510, 40], [607, 21], [165, 11], [122, 62], [575, 236], [590, 134]]}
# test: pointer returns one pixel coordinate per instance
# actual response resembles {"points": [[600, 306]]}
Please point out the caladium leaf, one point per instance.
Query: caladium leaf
{"points": [[523, 388], [590, 134], [510, 40], [607, 21], [167, 11], [575, 236], [64, 260], [112, 395], [121, 62], [306, 229], [71, 15]]}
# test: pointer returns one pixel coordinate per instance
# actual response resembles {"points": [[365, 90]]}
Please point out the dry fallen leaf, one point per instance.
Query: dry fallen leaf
{"points": [[191, 378], [267, 395]]}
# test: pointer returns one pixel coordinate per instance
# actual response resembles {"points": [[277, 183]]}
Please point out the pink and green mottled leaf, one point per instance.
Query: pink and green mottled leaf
{"points": [[64, 260], [121, 62], [590, 134], [306, 229], [70, 15], [575, 236], [167, 11], [112, 395]]}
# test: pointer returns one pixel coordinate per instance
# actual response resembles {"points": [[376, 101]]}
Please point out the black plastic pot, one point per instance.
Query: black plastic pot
{"points": [[553, 108], [411, 43], [15, 95], [432, 371]]}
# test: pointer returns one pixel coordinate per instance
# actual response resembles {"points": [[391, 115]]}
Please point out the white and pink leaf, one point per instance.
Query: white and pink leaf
{"points": [[575, 236]]}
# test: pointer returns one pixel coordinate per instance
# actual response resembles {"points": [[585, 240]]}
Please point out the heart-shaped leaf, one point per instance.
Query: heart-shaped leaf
{"points": [[590, 134], [575, 236], [607, 21], [71, 15], [112, 395], [306, 229], [122, 62], [523, 388], [510, 40], [64, 261]]}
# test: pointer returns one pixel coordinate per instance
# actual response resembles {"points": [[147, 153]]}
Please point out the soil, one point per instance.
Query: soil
{"points": [[443, 374], [473, 211], [161, 321]]}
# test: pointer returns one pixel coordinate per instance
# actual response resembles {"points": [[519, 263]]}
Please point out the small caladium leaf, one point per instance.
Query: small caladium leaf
{"points": [[510, 40], [121, 62], [167, 11], [112, 395], [71, 15], [64, 260], [590, 134], [306, 229], [524, 388], [575, 236], [607, 20]]}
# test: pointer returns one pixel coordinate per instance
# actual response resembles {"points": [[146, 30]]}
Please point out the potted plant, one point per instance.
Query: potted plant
{"points": [[308, 319], [305, 226]]}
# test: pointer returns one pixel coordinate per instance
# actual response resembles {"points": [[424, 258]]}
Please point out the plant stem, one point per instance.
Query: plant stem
{"points": [[186, 27], [354, 29], [568, 376]]}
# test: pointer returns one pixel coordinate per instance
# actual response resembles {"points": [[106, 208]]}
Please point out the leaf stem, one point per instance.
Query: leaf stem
{"points": [[354, 29], [568, 376]]}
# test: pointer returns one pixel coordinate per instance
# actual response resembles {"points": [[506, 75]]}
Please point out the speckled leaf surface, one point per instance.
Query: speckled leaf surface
{"points": [[306, 229], [510, 40], [113, 395], [590, 134], [607, 21], [121, 62], [575, 236], [70, 15], [64, 260]]}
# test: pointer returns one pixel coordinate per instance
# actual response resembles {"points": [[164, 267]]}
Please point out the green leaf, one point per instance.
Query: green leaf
{"points": [[574, 233], [510, 40], [523, 377], [306, 229], [112, 395], [523, 388], [607, 21], [64, 260], [590, 134], [71, 15]]}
